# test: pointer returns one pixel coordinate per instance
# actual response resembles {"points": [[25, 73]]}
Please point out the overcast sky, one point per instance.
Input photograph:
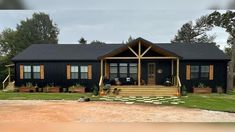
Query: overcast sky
{"points": [[114, 21]]}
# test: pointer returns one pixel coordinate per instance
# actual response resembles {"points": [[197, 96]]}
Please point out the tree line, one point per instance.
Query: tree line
{"points": [[40, 29]]}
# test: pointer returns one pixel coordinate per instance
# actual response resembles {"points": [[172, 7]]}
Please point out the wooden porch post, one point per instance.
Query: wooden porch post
{"points": [[101, 67], [177, 70], [139, 64]]}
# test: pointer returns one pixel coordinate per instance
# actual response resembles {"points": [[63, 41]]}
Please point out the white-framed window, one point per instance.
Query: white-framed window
{"points": [[27, 72], [194, 72], [205, 71], [123, 69], [74, 72], [133, 70], [113, 70], [84, 72], [36, 72]]}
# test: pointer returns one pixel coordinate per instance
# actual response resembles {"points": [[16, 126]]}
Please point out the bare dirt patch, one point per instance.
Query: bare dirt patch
{"points": [[72, 111]]}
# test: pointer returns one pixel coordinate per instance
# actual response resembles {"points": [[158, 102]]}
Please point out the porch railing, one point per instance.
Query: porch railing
{"points": [[100, 83], [179, 83], [5, 82]]}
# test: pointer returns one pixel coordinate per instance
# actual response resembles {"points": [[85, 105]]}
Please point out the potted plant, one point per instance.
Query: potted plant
{"points": [[95, 90], [77, 88], [51, 88], [27, 88], [219, 89], [201, 88], [184, 91]]}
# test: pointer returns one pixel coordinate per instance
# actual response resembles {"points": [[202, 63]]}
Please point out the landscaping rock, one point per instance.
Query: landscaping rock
{"points": [[129, 102], [157, 103], [174, 102]]}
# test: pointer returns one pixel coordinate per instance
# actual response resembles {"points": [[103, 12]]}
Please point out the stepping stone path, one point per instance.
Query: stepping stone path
{"points": [[148, 100]]}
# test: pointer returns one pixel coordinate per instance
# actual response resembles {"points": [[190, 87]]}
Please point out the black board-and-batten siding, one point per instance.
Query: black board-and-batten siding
{"points": [[55, 72]]}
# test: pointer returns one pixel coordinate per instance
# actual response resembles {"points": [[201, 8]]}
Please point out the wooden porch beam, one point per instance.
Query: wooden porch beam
{"points": [[146, 51], [132, 51], [121, 57], [159, 58]]}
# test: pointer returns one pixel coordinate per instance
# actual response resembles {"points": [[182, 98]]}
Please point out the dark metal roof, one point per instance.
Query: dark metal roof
{"points": [[68, 52], [196, 51], [57, 52]]}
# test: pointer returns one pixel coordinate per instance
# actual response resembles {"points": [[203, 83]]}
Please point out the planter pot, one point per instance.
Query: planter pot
{"points": [[219, 90], [206, 90], [77, 90], [40, 89], [184, 93], [51, 89], [27, 90], [65, 90]]}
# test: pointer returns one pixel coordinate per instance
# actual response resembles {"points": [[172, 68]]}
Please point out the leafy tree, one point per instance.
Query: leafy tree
{"points": [[8, 43], [226, 21], [39, 29], [82, 41], [129, 39], [36, 30], [194, 32], [97, 42]]}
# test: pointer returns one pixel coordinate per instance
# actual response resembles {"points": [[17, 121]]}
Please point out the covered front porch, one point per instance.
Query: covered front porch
{"points": [[140, 68]]}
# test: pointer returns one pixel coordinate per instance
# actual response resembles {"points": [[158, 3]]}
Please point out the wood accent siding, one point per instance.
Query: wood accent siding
{"points": [[107, 70], [21, 71], [188, 72], [41, 71], [211, 72], [89, 71], [68, 71]]}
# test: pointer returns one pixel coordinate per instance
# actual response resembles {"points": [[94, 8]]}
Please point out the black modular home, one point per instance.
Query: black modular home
{"points": [[138, 64]]}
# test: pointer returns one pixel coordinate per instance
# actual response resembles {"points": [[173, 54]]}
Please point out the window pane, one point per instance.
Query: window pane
{"points": [[205, 71], [84, 68], [74, 68], [36, 75], [36, 68], [194, 68], [133, 64], [84, 75], [123, 64], [27, 75], [113, 75], [74, 75], [133, 68], [123, 69], [113, 64], [133, 75], [113, 69], [27, 68], [194, 72], [204, 68]]}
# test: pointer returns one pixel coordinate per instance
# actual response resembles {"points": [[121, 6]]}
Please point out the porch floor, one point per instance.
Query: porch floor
{"points": [[146, 90]]}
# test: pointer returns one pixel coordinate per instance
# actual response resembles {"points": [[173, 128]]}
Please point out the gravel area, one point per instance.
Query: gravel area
{"points": [[73, 111]]}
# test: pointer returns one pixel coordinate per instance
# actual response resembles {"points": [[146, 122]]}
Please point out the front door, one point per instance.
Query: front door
{"points": [[151, 74]]}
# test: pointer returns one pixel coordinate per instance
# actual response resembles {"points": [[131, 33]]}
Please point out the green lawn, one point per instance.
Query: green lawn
{"points": [[217, 102], [44, 96]]}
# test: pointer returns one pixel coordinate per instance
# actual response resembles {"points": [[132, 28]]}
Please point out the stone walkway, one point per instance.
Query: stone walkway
{"points": [[149, 100]]}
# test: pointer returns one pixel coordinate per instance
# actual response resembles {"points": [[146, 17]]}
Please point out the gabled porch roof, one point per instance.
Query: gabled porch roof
{"points": [[149, 45]]}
